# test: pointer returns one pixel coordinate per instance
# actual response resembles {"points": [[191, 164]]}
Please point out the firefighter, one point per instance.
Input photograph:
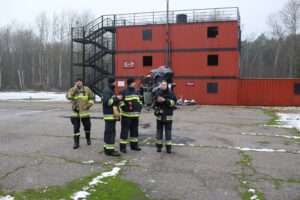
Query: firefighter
{"points": [[131, 107], [164, 104], [111, 114], [82, 99]]}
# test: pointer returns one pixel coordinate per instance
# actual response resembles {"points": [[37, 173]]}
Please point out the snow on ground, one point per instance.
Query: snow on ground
{"points": [[88, 162], [289, 120], [271, 135], [8, 197], [260, 150], [251, 190], [121, 163], [241, 148], [254, 197], [35, 96], [84, 193]]}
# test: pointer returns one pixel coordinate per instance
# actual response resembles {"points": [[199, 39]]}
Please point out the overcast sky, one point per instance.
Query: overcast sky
{"points": [[253, 12]]}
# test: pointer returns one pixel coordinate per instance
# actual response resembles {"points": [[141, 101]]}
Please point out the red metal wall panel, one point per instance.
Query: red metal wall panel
{"points": [[138, 69], [183, 64], [195, 64], [130, 38], [194, 35], [182, 36], [227, 91], [268, 92], [241, 92]]}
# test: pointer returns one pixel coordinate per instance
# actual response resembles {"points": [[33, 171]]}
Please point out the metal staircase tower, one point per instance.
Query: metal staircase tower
{"points": [[93, 52]]}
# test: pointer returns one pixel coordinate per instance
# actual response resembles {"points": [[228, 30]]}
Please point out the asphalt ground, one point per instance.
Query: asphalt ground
{"points": [[219, 152]]}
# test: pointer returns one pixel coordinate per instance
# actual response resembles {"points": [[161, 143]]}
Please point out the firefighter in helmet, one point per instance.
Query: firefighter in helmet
{"points": [[131, 107], [111, 114], [164, 104], [82, 100]]}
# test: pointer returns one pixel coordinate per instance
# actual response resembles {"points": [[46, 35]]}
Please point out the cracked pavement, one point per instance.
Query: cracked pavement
{"points": [[36, 152]]}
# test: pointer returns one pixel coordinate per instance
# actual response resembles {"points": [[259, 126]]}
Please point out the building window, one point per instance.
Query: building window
{"points": [[297, 89], [147, 34], [213, 60], [212, 88], [213, 32], [147, 60]]}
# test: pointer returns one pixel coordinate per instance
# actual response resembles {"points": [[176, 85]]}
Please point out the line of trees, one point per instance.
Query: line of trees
{"points": [[275, 54], [38, 57]]}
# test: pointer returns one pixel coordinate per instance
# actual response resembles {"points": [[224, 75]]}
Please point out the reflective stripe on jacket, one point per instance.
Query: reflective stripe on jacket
{"points": [[109, 101], [165, 109], [131, 104], [82, 99]]}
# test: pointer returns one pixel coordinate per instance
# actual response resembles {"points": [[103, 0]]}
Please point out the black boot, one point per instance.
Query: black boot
{"points": [[76, 142], [111, 152], [135, 146], [159, 147], [88, 138], [115, 154], [123, 148], [168, 147]]}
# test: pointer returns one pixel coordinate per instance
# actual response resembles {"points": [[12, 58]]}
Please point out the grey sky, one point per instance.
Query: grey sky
{"points": [[253, 12]]}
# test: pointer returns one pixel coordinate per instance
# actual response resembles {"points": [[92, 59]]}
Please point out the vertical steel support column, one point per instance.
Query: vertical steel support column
{"points": [[71, 77], [83, 55], [113, 56], [167, 37]]}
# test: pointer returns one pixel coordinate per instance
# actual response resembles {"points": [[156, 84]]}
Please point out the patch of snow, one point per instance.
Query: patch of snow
{"points": [[288, 120], [107, 163], [259, 150], [122, 163], [8, 197], [36, 96], [283, 136], [84, 194], [152, 181], [254, 197], [251, 190], [80, 195], [178, 145], [255, 134], [97, 180], [89, 162]]}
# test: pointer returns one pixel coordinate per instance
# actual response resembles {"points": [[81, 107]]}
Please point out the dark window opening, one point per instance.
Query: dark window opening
{"points": [[147, 60], [213, 32], [147, 34], [213, 60], [212, 88], [297, 89]]}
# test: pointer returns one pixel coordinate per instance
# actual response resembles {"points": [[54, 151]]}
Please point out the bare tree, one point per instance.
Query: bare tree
{"points": [[62, 36], [290, 15], [42, 23], [278, 33]]}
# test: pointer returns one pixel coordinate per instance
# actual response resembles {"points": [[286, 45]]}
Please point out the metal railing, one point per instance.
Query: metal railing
{"points": [[151, 18], [146, 18]]}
